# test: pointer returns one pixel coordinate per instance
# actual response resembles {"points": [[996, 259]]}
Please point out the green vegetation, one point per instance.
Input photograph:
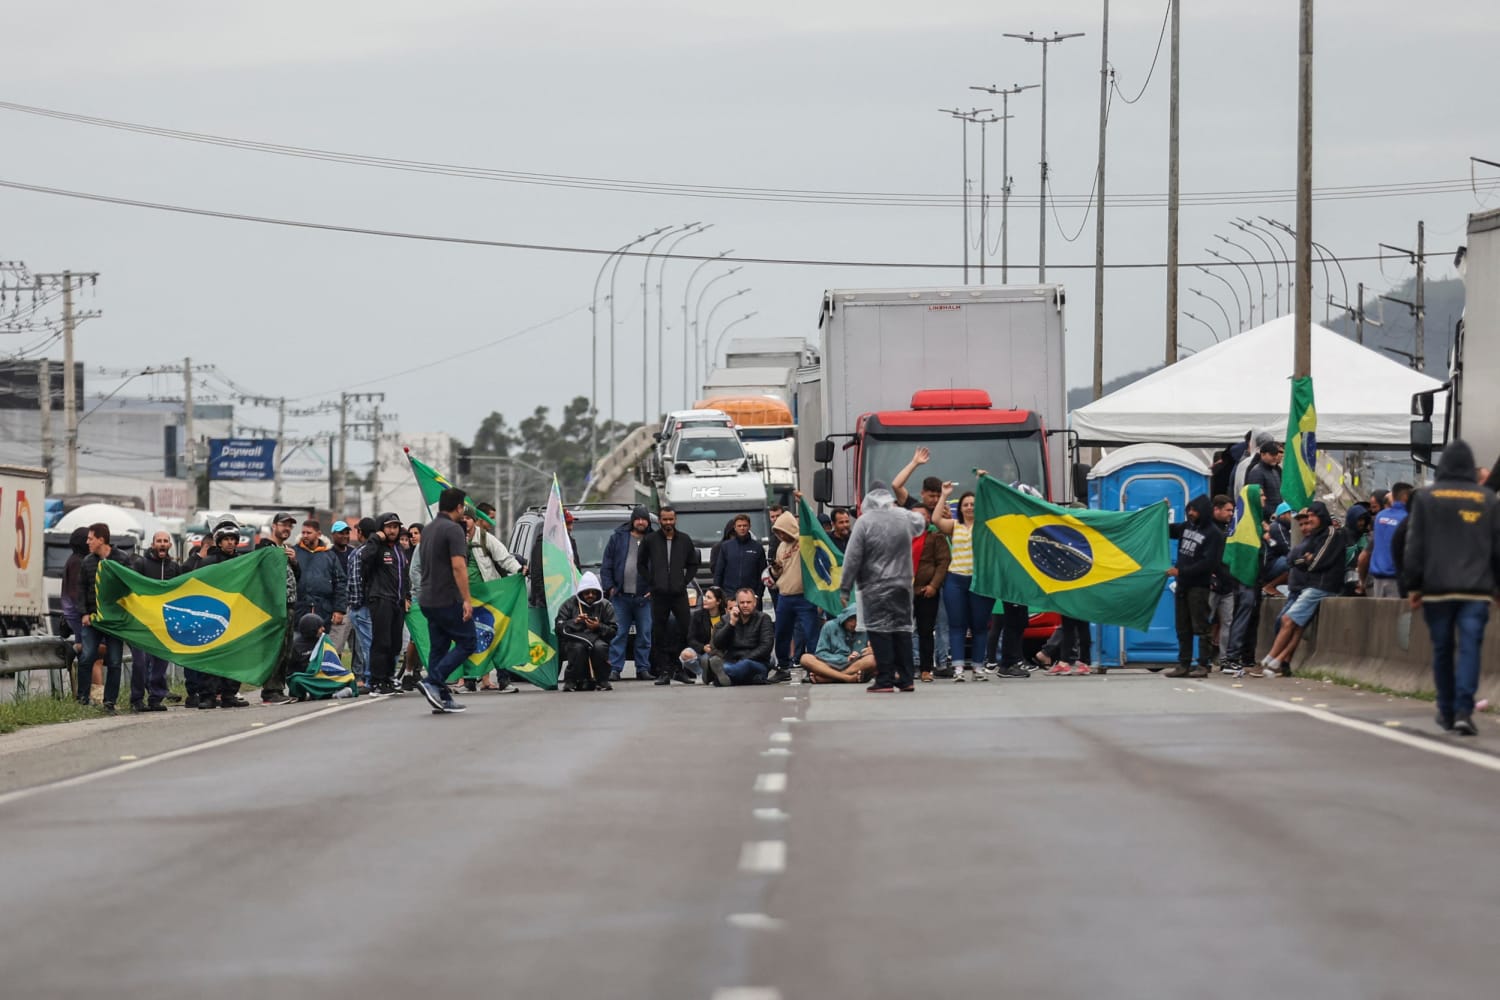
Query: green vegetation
{"points": [[42, 710], [1342, 681]]}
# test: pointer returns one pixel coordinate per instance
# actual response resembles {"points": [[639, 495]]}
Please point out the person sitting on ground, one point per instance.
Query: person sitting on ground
{"points": [[1320, 556], [844, 655], [744, 644], [702, 625], [585, 625], [319, 676]]}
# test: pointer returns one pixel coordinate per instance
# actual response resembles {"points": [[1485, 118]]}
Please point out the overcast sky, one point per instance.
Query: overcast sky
{"points": [[818, 94]]}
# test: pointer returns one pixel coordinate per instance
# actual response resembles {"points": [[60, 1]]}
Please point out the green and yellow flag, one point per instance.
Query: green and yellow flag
{"points": [[1242, 550], [432, 483], [228, 620], [1100, 566], [1299, 479], [822, 563], [542, 670], [500, 625]]}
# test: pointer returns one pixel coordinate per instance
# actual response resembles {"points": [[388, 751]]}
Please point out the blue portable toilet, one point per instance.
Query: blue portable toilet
{"points": [[1130, 478]]}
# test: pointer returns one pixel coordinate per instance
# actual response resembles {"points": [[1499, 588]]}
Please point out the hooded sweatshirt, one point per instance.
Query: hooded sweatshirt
{"points": [[1453, 533], [788, 564], [835, 645], [1200, 546], [877, 562], [599, 609], [1320, 556]]}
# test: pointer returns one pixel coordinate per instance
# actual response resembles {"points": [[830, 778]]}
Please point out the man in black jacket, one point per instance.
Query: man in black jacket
{"points": [[386, 580], [742, 644], [148, 673], [668, 561], [1318, 566], [220, 691], [1200, 550], [585, 625], [100, 550], [1452, 572], [740, 560], [273, 691]]}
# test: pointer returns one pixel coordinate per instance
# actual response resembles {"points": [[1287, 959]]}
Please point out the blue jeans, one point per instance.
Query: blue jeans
{"points": [[451, 641], [363, 627], [631, 610], [114, 654], [796, 629], [1456, 677], [1233, 645], [746, 671], [968, 613]]}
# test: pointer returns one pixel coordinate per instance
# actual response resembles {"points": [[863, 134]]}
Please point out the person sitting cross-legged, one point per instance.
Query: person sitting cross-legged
{"points": [[743, 644], [843, 655]]}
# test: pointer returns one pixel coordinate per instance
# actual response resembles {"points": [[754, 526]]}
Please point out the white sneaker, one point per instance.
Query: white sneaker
{"points": [[1270, 672], [963, 674], [981, 673]]}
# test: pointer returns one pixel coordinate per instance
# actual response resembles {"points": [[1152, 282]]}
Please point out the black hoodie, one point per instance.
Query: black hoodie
{"points": [[1320, 555], [1200, 546], [1453, 541]]}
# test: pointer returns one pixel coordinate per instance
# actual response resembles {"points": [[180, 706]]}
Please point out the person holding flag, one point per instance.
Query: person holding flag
{"points": [[1243, 562], [969, 611]]}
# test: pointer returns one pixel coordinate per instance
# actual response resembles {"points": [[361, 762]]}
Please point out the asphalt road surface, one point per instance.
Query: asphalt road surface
{"points": [[1128, 836]]}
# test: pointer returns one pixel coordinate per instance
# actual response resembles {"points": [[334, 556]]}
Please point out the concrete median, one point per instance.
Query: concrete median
{"points": [[1364, 640]]}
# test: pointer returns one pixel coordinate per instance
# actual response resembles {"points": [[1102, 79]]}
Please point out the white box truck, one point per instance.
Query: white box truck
{"points": [[749, 382], [766, 352], [974, 373]]}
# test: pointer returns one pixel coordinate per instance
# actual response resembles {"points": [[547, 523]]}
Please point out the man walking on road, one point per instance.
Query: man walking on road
{"points": [[445, 599], [668, 563], [1452, 571], [877, 564]]}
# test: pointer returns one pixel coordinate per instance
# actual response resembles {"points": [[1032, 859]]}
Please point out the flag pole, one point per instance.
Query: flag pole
{"points": [[407, 451]]}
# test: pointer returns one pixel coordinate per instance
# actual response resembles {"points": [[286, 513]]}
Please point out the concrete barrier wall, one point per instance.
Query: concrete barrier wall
{"points": [[1360, 639]]}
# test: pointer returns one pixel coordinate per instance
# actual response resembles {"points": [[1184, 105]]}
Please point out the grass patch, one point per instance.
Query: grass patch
{"points": [[43, 710], [1341, 681]]}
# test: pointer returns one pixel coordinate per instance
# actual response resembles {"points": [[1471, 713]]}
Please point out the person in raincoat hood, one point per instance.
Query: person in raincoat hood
{"points": [[843, 654], [877, 564], [585, 625]]}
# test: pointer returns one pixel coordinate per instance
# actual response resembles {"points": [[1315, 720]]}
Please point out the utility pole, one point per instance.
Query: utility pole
{"points": [[1099, 212], [345, 426], [1174, 189], [67, 282], [44, 380], [984, 193], [1302, 355], [1418, 307], [1357, 313], [375, 461], [280, 449], [189, 440], [1007, 180], [1030, 38], [343, 469]]}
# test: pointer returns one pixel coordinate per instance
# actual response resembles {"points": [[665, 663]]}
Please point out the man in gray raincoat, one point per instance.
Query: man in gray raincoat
{"points": [[878, 566]]}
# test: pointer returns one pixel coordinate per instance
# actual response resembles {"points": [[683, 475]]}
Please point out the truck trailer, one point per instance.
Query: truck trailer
{"points": [[974, 373]]}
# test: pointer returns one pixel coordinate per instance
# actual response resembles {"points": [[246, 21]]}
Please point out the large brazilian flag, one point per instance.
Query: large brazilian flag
{"points": [[1100, 566], [500, 628], [228, 619], [1242, 549], [1299, 479], [822, 563]]}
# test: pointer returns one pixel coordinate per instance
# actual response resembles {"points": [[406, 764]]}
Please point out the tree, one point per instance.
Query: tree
{"points": [[537, 444]]}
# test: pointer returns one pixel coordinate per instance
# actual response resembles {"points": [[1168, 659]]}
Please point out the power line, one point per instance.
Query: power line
{"points": [[548, 247], [1115, 87], [731, 192]]}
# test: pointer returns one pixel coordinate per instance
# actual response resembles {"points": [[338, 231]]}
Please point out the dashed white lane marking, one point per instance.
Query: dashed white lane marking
{"points": [[781, 737], [773, 752], [770, 782], [756, 922], [790, 718], [747, 993], [764, 856], [789, 698], [84, 779], [1392, 734], [770, 815]]}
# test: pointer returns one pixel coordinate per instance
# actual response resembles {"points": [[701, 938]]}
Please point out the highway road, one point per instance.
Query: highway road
{"points": [[1128, 836]]}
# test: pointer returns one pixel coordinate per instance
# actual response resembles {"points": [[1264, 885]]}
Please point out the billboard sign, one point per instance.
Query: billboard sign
{"points": [[241, 458]]}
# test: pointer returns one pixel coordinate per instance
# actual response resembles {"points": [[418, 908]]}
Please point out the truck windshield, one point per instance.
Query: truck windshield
{"points": [[1009, 459], [719, 448]]}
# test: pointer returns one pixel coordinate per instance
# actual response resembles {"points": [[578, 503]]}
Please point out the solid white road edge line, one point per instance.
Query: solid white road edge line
{"points": [[747, 993], [1359, 725], [84, 779]]}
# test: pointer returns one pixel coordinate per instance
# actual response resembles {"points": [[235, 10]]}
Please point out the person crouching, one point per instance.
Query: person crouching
{"points": [[585, 625]]}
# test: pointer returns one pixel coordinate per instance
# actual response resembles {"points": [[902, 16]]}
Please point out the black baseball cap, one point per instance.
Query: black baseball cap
{"points": [[282, 517]]}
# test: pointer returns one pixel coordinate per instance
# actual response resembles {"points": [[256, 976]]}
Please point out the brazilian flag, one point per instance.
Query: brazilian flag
{"points": [[1100, 566], [324, 676], [228, 619], [1299, 480], [822, 563], [432, 483], [541, 666], [1242, 550], [499, 627]]}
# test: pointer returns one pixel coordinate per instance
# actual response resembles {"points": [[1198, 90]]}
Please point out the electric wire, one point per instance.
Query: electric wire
{"points": [[1115, 87]]}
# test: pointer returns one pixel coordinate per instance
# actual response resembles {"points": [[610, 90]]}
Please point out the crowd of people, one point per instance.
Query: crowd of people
{"points": [[910, 557]]}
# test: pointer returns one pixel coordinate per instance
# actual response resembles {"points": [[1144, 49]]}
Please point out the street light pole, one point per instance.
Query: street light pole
{"points": [[1238, 310], [687, 333], [613, 274], [1249, 289], [1227, 324], [1030, 38], [708, 324], [594, 354], [1245, 226], [1259, 274], [1006, 179], [964, 189], [1205, 323], [661, 310], [698, 308], [646, 320], [730, 326]]}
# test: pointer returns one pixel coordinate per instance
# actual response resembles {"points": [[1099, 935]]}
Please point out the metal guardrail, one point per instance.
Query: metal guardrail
{"points": [[33, 652], [621, 461]]}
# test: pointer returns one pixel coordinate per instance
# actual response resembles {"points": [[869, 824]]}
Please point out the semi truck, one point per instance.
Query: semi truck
{"points": [[23, 603], [767, 381], [1467, 404], [767, 352], [973, 373]]}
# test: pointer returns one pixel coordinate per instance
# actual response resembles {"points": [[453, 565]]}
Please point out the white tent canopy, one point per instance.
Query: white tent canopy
{"points": [[1213, 397]]}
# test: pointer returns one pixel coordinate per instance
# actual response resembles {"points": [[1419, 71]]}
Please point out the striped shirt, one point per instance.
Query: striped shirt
{"points": [[962, 546]]}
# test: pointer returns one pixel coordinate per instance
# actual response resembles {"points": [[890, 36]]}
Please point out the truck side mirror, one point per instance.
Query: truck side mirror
{"points": [[1421, 442], [823, 483], [823, 452], [1081, 481], [656, 437]]}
